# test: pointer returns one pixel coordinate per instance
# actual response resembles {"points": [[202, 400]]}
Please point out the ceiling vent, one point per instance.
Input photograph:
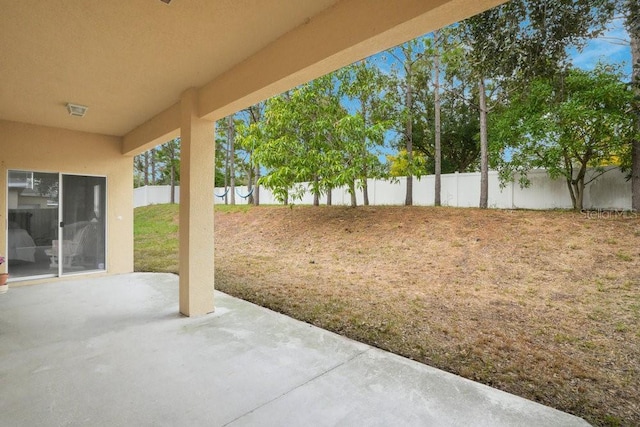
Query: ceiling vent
{"points": [[77, 110]]}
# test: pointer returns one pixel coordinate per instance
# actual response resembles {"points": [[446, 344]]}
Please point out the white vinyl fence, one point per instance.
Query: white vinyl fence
{"points": [[609, 191]]}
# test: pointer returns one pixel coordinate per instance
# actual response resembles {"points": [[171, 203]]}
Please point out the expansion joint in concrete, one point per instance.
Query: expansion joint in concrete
{"points": [[310, 380]]}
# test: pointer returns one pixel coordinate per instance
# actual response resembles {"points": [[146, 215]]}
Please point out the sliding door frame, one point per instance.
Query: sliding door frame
{"points": [[60, 272]]}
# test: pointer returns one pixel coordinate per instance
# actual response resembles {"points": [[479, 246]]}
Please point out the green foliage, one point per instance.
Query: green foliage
{"points": [[158, 165], [579, 120], [221, 176], [459, 135], [525, 39], [168, 156], [363, 132], [241, 158], [144, 172], [300, 140], [329, 132], [307, 135], [399, 164]]}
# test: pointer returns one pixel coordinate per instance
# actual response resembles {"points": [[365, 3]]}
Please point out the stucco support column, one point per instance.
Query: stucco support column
{"points": [[197, 159]]}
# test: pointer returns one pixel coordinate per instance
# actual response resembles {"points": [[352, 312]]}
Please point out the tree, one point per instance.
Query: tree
{"points": [[250, 134], [409, 55], [231, 158], [145, 168], [460, 129], [632, 22], [358, 162], [168, 154], [301, 141], [578, 121], [153, 156], [489, 39], [363, 131], [140, 172], [231, 167], [459, 121], [221, 158], [308, 136], [437, 121], [399, 164], [522, 40]]}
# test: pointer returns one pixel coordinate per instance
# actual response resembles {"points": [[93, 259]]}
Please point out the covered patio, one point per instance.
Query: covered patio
{"points": [[95, 344], [88, 85], [113, 351]]}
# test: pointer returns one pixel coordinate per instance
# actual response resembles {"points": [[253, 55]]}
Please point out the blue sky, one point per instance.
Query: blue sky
{"points": [[609, 48], [612, 47]]}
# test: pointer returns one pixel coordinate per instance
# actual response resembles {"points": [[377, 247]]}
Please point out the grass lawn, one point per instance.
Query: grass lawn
{"points": [[545, 305], [155, 231]]}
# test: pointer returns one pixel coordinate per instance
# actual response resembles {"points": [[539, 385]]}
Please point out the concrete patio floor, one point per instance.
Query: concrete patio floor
{"points": [[113, 351]]}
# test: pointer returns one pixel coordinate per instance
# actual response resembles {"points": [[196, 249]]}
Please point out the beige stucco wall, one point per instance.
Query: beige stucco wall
{"points": [[44, 149]]}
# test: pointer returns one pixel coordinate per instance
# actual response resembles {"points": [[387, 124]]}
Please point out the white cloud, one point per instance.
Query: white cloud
{"points": [[612, 47]]}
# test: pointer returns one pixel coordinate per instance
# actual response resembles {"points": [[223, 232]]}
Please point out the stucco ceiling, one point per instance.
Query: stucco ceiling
{"points": [[129, 61], [126, 60]]}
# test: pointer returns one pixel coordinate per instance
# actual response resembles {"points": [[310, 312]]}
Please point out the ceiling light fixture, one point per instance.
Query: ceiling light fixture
{"points": [[166, 1], [77, 110]]}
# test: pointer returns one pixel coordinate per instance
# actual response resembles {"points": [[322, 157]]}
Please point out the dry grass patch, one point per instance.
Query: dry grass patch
{"points": [[545, 305]]}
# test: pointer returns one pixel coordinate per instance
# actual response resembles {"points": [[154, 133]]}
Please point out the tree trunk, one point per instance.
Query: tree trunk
{"points": [[329, 201], [580, 192], [577, 193], [633, 27], [250, 183], [226, 174], [365, 153], [365, 192], [232, 150], [579, 185], [352, 193], [256, 114], [569, 178], [408, 201], [574, 202], [484, 148], [173, 183], [438, 154], [576, 187], [256, 189], [146, 168], [316, 193], [153, 166]]}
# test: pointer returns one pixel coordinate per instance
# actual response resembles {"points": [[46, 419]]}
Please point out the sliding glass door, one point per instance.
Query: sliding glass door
{"points": [[83, 223], [56, 224], [32, 212]]}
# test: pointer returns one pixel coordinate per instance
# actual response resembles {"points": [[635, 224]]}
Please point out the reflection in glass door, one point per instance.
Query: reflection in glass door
{"points": [[32, 212], [83, 223], [56, 224]]}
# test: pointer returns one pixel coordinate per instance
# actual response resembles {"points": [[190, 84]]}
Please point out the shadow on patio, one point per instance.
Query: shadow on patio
{"points": [[113, 351]]}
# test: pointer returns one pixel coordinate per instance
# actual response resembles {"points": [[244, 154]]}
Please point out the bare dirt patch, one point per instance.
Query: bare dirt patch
{"points": [[545, 305]]}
